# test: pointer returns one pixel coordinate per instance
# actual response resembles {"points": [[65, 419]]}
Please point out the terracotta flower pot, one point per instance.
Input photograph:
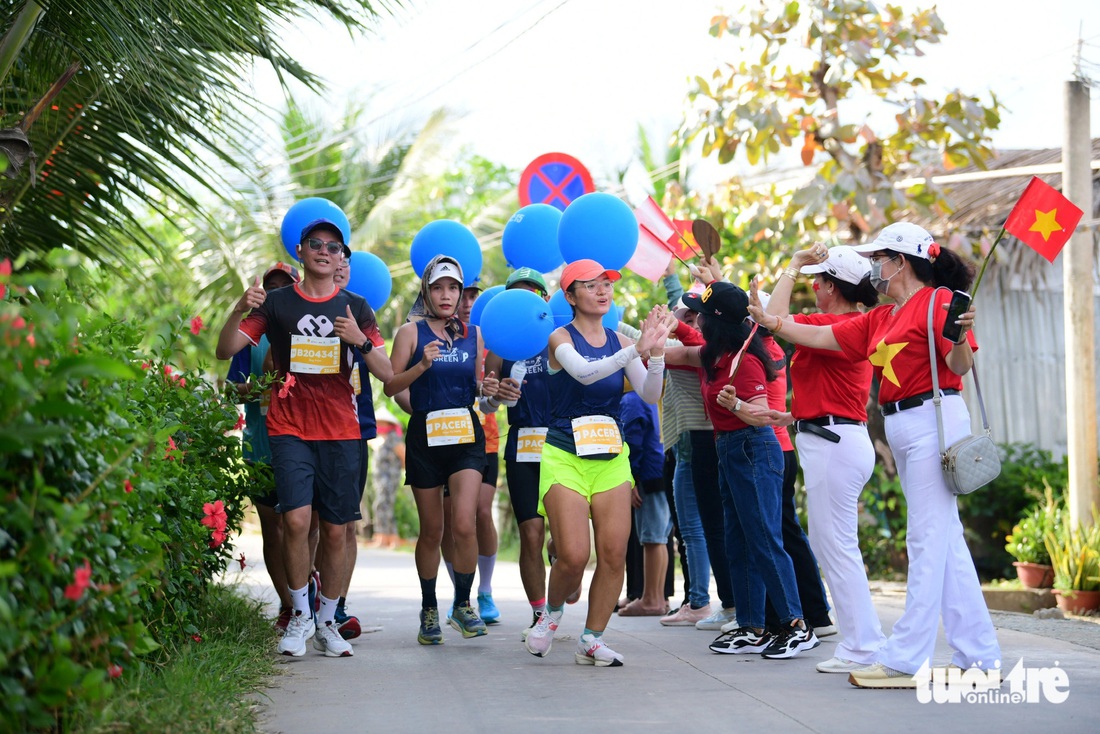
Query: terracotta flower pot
{"points": [[1034, 575], [1077, 602]]}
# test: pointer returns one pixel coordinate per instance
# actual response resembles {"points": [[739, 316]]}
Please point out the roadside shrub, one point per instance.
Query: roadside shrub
{"points": [[110, 461]]}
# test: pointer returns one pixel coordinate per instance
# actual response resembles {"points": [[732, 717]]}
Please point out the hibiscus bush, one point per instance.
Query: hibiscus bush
{"points": [[119, 480]]}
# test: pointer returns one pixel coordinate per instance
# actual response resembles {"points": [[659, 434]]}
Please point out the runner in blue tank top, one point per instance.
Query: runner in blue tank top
{"points": [[585, 467], [525, 389], [439, 358]]}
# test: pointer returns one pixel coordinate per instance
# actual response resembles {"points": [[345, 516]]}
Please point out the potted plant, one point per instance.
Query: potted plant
{"points": [[1027, 543], [1075, 555]]}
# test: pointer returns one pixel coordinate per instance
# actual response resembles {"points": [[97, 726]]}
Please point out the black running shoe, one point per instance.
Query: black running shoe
{"points": [[790, 642]]}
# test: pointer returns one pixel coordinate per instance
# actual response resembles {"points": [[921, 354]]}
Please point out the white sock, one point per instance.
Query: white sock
{"points": [[299, 599], [485, 566], [327, 612]]}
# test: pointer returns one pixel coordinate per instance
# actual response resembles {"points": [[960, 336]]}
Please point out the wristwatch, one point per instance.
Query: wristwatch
{"points": [[736, 406], [366, 346]]}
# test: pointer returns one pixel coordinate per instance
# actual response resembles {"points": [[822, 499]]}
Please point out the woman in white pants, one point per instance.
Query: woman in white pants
{"points": [[829, 412], [905, 262]]}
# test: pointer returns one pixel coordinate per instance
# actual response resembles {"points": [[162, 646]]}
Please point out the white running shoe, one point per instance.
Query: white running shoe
{"points": [[299, 628], [718, 619], [541, 636], [838, 665], [329, 641], [591, 650]]}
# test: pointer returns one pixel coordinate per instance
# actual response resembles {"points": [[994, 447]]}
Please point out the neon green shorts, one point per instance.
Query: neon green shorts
{"points": [[586, 477]]}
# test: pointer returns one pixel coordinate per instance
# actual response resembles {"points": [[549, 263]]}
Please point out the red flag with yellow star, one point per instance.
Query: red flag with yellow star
{"points": [[1043, 219]]}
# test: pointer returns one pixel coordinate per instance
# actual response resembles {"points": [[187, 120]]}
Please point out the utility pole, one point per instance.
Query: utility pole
{"points": [[1079, 311]]}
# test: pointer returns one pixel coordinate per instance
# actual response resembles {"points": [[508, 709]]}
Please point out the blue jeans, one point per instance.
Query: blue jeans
{"points": [[691, 530], [750, 464]]}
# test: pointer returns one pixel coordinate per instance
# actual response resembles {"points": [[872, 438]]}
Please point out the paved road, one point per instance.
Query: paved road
{"points": [[670, 682]]}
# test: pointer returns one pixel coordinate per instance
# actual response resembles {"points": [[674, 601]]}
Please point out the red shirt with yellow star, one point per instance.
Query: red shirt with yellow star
{"points": [[896, 345]]}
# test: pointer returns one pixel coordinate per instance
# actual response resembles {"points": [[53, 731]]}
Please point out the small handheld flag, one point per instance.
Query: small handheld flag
{"points": [[1043, 219]]}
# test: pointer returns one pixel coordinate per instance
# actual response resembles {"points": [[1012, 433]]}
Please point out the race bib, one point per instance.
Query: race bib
{"points": [[356, 383], [597, 434], [265, 400], [446, 427], [529, 443], [315, 355]]}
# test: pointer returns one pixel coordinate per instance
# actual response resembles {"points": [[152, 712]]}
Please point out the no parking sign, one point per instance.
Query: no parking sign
{"points": [[555, 179]]}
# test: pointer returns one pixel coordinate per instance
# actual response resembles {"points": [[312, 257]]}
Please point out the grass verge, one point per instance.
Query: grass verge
{"points": [[196, 686]]}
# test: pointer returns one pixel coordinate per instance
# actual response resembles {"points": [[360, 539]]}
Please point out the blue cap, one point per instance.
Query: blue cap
{"points": [[326, 223]]}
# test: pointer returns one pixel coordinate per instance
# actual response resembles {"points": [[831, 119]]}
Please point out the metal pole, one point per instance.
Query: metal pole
{"points": [[1079, 312]]}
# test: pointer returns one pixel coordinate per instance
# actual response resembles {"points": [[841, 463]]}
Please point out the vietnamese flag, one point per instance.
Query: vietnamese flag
{"points": [[1043, 219], [683, 244]]}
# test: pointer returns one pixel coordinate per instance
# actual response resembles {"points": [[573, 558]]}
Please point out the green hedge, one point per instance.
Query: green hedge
{"points": [[108, 457]]}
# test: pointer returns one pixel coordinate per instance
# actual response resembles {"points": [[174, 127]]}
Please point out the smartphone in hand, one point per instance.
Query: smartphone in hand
{"points": [[960, 302]]}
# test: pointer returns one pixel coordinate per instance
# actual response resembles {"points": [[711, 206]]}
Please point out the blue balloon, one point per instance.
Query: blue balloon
{"points": [[560, 309], [613, 316], [530, 238], [306, 211], [598, 226], [451, 238], [369, 277], [482, 301], [516, 324], [563, 312]]}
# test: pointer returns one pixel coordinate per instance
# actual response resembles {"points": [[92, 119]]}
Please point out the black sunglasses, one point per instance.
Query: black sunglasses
{"points": [[316, 245]]}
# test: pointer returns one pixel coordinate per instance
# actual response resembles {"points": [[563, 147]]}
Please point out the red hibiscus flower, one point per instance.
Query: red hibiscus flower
{"points": [[196, 325], [168, 451], [215, 516], [114, 671], [145, 365], [5, 271], [240, 422], [196, 638], [241, 561], [82, 579], [127, 487], [288, 383], [216, 538]]}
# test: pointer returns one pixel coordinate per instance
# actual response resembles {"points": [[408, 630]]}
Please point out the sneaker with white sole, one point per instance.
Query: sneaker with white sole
{"points": [[838, 665], [591, 650], [741, 641], [685, 616], [329, 641], [880, 676], [299, 628], [789, 642], [541, 636], [717, 619], [827, 630]]}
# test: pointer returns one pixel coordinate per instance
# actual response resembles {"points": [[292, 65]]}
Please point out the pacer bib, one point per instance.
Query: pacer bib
{"points": [[451, 426], [597, 434], [356, 381], [315, 355], [529, 444]]}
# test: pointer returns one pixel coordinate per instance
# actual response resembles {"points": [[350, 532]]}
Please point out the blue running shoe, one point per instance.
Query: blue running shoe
{"points": [[464, 619], [348, 624], [487, 610]]}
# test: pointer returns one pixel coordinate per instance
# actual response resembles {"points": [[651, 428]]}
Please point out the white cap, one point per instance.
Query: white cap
{"points": [[844, 263], [446, 269], [903, 237]]}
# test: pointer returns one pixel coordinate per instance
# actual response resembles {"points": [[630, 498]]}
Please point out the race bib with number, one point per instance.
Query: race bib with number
{"points": [[597, 434], [265, 400], [529, 443], [356, 382], [446, 427], [315, 355]]}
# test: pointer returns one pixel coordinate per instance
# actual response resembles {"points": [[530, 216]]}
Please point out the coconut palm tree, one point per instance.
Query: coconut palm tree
{"points": [[112, 106]]}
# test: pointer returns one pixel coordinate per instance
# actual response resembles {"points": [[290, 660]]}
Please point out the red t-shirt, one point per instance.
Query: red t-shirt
{"points": [[777, 391], [896, 345], [317, 406], [750, 383], [827, 382]]}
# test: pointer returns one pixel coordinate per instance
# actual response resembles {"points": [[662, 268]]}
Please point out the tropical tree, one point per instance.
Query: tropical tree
{"points": [[809, 85], [113, 106]]}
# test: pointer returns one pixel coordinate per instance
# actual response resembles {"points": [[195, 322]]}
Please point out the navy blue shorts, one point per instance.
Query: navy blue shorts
{"points": [[321, 474]]}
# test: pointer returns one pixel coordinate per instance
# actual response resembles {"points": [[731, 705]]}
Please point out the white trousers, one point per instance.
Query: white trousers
{"points": [[835, 474], [942, 579]]}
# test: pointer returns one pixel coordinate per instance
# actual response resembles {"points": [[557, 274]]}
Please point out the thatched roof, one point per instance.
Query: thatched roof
{"points": [[980, 208]]}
